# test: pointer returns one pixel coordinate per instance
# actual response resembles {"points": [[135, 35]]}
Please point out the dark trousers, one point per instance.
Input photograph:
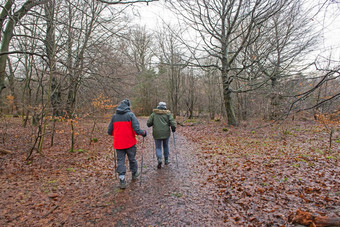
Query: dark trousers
{"points": [[131, 153], [158, 144]]}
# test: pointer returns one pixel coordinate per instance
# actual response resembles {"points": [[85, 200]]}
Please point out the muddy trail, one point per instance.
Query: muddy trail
{"points": [[174, 195], [80, 188]]}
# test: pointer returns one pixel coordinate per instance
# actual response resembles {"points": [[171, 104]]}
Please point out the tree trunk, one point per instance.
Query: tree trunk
{"points": [[50, 50], [12, 88], [7, 36], [244, 107], [71, 98], [4, 13], [227, 93], [229, 107], [275, 101]]}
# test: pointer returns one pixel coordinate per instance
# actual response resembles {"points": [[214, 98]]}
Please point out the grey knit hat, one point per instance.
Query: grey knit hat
{"points": [[161, 105], [127, 102]]}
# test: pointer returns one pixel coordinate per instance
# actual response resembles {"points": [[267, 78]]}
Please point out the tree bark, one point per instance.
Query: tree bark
{"points": [[4, 14], [229, 107], [50, 50], [12, 88]]}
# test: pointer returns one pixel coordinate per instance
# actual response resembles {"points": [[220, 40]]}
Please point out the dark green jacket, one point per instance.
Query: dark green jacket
{"points": [[161, 121]]}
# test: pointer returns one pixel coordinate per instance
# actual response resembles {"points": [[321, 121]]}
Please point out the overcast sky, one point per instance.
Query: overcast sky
{"points": [[153, 14]]}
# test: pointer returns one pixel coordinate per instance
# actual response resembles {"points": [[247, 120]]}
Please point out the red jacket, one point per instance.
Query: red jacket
{"points": [[124, 127]]}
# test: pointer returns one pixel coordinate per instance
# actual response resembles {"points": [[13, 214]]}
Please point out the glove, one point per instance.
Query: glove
{"points": [[173, 129], [144, 134]]}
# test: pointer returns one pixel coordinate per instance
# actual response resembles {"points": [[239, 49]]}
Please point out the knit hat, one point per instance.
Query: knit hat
{"points": [[127, 102], [161, 105]]}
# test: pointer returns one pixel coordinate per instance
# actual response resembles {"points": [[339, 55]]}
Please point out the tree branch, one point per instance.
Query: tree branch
{"points": [[22, 52], [125, 2]]}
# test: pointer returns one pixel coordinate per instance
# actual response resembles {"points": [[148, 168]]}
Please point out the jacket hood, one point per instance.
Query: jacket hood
{"points": [[123, 108], [159, 111]]}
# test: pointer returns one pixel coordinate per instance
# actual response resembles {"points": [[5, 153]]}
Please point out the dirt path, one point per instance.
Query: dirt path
{"points": [[169, 196], [61, 188]]}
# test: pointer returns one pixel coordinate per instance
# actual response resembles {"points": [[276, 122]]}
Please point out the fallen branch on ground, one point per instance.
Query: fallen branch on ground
{"points": [[4, 151], [308, 219]]}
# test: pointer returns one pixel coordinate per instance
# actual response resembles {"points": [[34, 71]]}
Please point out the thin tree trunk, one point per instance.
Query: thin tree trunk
{"points": [[12, 88], [53, 130], [72, 136], [27, 91], [50, 46], [330, 138]]}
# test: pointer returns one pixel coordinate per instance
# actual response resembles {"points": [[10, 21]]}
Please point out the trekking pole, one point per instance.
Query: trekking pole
{"points": [[115, 158], [154, 151], [173, 135], [141, 165]]}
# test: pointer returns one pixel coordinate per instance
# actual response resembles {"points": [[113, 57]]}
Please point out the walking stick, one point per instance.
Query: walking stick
{"points": [[154, 151], [173, 135], [141, 165]]}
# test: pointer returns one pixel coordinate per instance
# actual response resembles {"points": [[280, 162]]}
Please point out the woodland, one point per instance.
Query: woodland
{"points": [[250, 83]]}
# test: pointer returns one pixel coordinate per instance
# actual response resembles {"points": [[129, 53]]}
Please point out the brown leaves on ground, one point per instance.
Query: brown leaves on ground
{"points": [[56, 187], [257, 176], [264, 175]]}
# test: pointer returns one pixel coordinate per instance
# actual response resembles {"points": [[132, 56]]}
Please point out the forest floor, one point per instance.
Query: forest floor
{"points": [[224, 177]]}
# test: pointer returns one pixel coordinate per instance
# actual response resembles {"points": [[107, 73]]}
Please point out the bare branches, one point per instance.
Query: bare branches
{"points": [[328, 76], [8, 33], [22, 52], [126, 1]]}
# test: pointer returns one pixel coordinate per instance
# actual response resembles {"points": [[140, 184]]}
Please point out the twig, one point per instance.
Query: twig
{"points": [[50, 211], [4, 151], [53, 208]]}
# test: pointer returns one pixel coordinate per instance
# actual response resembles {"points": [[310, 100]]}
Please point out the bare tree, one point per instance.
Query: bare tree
{"points": [[189, 97], [281, 53], [212, 88], [141, 51], [171, 58], [9, 20], [116, 2], [227, 29]]}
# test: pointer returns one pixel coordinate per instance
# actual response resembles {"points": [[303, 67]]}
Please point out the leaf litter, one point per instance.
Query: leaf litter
{"points": [[239, 176], [265, 177]]}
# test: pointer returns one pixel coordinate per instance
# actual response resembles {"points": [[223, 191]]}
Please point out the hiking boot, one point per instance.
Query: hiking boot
{"points": [[166, 162], [159, 166], [122, 184], [135, 175]]}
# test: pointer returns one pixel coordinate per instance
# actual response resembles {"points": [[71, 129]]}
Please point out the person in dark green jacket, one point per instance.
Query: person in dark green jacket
{"points": [[161, 121]]}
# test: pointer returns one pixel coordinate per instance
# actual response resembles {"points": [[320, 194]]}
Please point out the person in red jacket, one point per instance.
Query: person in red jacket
{"points": [[124, 127]]}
